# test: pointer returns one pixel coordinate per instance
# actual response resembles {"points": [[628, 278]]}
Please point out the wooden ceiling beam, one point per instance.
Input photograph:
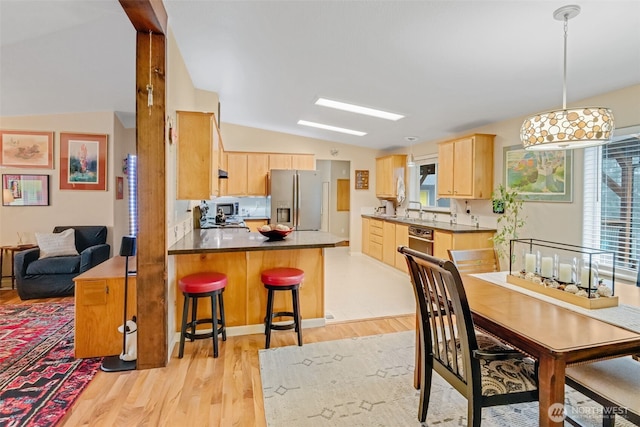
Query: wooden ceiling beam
{"points": [[146, 15]]}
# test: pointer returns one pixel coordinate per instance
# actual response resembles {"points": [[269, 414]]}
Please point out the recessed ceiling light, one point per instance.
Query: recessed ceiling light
{"points": [[333, 128], [358, 109]]}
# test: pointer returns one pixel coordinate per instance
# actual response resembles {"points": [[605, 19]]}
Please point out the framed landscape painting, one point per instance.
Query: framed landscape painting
{"points": [[83, 161], [26, 149], [543, 176]]}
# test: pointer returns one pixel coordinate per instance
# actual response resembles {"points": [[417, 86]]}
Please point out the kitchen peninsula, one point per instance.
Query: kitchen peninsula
{"points": [[242, 256]]}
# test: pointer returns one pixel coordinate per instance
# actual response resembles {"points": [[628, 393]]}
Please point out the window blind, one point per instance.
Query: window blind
{"points": [[612, 200]]}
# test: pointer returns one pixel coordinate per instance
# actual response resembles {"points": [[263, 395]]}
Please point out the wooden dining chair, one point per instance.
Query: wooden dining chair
{"points": [[486, 371], [475, 260]]}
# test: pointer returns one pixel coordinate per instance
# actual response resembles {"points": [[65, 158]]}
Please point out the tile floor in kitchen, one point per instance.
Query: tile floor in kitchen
{"points": [[359, 287]]}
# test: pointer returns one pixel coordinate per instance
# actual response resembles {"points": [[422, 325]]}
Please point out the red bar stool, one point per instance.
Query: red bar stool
{"points": [[201, 285], [282, 279]]}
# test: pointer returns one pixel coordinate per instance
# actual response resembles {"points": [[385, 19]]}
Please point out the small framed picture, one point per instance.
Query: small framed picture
{"points": [[25, 190], [119, 188], [362, 179]]}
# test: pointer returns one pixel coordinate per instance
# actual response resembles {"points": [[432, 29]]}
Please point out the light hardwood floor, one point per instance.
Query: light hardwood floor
{"points": [[199, 390]]}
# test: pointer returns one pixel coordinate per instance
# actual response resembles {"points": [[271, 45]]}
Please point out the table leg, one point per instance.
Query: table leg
{"points": [[13, 272], [1, 264], [551, 386]]}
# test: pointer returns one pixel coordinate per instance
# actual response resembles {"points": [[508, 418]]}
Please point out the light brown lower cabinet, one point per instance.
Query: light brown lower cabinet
{"points": [[376, 234], [443, 240], [402, 239], [365, 236], [389, 243], [99, 303]]}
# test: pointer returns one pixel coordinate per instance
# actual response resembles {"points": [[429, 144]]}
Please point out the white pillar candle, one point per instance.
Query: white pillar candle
{"points": [[584, 277], [546, 266], [564, 272], [530, 263]]}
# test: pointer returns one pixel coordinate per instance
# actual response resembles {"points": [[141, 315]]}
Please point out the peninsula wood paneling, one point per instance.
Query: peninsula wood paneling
{"points": [[245, 297]]}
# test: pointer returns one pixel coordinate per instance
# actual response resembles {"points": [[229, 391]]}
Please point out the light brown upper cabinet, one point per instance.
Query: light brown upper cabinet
{"points": [[197, 158], [292, 161], [303, 162], [465, 167], [247, 174], [388, 168]]}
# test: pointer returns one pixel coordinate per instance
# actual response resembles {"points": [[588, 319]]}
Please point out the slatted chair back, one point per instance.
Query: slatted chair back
{"points": [[475, 260], [449, 342]]}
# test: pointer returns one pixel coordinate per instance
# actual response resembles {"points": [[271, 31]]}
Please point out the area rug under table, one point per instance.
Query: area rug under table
{"points": [[368, 381], [39, 377]]}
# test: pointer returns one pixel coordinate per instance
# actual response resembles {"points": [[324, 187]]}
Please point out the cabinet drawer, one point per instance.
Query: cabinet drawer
{"points": [[376, 239]]}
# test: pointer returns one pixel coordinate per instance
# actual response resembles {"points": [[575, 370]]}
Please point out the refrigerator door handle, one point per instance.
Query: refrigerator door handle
{"points": [[296, 200]]}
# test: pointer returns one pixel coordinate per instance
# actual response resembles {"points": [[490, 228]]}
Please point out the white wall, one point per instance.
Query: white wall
{"points": [[126, 138], [560, 222], [67, 207]]}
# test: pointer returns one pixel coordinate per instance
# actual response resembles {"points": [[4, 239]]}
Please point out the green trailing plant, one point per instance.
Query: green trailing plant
{"points": [[510, 222]]}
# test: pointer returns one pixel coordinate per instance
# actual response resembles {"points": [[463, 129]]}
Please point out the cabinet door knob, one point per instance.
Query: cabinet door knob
{"points": [[106, 289]]}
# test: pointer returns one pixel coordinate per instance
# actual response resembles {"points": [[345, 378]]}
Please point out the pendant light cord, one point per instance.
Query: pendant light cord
{"points": [[564, 80]]}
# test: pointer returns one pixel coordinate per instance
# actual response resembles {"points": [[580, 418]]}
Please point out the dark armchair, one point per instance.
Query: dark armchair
{"points": [[53, 277]]}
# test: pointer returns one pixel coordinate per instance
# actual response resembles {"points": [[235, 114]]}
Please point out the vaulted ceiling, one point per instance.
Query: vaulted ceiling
{"points": [[448, 66]]}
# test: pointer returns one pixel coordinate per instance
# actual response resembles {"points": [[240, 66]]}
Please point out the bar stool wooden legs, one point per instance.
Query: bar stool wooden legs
{"points": [[201, 285], [282, 279]]}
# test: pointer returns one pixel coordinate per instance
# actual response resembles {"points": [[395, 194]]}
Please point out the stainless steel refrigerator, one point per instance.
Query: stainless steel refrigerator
{"points": [[296, 198]]}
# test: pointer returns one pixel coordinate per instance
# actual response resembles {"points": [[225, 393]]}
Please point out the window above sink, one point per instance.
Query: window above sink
{"points": [[424, 180]]}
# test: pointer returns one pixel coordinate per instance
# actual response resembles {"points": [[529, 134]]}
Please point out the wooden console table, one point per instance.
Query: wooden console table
{"points": [[12, 249], [99, 300]]}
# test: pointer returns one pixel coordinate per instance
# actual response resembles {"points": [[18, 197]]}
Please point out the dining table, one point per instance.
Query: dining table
{"points": [[554, 335]]}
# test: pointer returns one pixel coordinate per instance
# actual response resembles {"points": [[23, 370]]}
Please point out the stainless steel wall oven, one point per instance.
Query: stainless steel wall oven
{"points": [[421, 239]]}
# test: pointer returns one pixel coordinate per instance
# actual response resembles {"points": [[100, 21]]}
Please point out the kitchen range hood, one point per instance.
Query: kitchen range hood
{"points": [[222, 174]]}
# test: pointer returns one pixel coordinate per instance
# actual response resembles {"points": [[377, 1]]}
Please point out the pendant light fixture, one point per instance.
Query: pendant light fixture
{"points": [[567, 128]]}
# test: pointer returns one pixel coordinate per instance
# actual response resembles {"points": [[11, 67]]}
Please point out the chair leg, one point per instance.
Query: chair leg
{"points": [[426, 373], [268, 318], [183, 330], [296, 315], [223, 321], [214, 321], [474, 412]]}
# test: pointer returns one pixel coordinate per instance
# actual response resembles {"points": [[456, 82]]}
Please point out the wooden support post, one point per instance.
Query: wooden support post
{"points": [[150, 20]]}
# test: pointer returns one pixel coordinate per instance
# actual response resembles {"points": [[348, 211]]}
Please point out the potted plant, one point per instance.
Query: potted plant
{"points": [[510, 221]]}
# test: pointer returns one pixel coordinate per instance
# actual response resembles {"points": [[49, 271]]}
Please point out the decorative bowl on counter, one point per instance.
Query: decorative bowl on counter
{"points": [[275, 234]]}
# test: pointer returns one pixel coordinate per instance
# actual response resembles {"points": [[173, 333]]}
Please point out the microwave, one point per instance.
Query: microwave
{"points": [[229, 209]]}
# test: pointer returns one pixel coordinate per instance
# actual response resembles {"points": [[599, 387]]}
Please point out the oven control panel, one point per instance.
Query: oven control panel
{"points": [[425, 233]]}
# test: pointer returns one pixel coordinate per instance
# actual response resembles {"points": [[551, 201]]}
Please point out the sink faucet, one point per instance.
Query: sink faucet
{"points": [[414, 202]]}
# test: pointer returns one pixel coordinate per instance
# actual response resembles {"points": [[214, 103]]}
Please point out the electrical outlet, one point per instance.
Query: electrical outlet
{"points": [[175, 232]]}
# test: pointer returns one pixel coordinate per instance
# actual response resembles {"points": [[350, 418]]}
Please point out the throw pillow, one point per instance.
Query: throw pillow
{"points": [[57, 244]]}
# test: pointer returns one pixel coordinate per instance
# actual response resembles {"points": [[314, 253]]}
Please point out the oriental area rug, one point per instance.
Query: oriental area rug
{"points": [[368, 381], [39, 377]]}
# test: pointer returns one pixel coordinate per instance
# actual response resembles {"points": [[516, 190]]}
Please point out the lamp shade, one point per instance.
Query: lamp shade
{"points": [[7, 196], [567, 129], [128, 246]]}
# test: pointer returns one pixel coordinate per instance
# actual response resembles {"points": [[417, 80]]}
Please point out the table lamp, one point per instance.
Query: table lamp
{"points": [[117, 363]]}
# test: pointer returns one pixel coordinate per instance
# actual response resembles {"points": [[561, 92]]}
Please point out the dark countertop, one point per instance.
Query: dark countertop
{"points": [[239, 240], [436, 225]]}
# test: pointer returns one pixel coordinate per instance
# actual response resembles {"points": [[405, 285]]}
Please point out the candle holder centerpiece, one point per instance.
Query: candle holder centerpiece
{"points": [[569, 273]]}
